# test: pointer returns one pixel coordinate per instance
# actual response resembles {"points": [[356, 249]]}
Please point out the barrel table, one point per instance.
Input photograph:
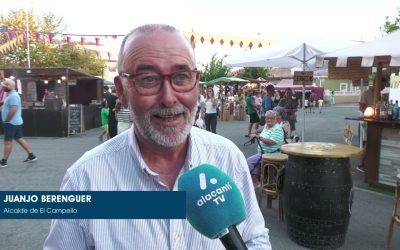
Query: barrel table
{"points": [[317, 193]]}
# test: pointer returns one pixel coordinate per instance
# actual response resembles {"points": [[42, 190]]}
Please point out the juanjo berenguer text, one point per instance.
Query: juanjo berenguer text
{"points": [[49, 198]]}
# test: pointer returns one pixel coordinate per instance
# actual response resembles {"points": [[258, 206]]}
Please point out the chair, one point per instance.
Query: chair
{"points": [[272, 169], [395, 215]]}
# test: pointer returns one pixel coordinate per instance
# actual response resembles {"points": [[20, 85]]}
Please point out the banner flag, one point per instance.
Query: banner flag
{"points": [[92, 205]]}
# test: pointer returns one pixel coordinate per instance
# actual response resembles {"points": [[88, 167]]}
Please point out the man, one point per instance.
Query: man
{"points": [[290, 106], [12, 121], [112, 119], [367, 100], [158, 81], [251, 110], [267, 103], [271, 139]]}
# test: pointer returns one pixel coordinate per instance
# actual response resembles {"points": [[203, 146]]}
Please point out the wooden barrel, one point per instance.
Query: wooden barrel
{"points": [[318, 193]]}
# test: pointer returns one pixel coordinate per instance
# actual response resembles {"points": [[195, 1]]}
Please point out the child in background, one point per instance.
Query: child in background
{"points": [[320, 103], [104, 121]]}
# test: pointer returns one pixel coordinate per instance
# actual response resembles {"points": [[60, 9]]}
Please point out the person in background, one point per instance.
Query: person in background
{"points": [[158, 81], [104, 121], [123, 117], [271, 139], [281, 120], [242, 104], [112, 119], [267, 102], [332, 98], [290, 106], [276, 97], [320, 104], [11, 116], [251, 110], [106, 94], [367, 100], [201, 109], [210, 116], [199, 122], [313, 101], [45, 94]]}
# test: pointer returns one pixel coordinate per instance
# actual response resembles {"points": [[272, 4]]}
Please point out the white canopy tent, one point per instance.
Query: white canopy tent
{"points": [[373, 53], [300, 52], [369, 51], [384, 51]]}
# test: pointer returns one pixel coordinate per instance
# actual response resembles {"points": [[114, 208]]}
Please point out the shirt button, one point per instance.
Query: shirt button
{"points": [[177, 237]]}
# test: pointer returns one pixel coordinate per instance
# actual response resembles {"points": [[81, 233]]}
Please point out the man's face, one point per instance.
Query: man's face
{"points": [[166, 117]]}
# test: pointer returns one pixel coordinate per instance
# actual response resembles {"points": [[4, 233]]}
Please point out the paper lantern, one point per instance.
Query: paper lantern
{"points": [[369, 112]]}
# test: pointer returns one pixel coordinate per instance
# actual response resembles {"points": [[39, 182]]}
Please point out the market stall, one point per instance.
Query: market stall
{"points": [[49, 115], [382, 145], [232, 100]]}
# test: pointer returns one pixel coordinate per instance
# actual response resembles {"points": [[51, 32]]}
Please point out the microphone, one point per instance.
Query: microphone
{"points": [[214, 204]]}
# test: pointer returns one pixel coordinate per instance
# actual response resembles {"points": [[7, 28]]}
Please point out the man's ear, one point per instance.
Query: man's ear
{"points": [[120, 91]]}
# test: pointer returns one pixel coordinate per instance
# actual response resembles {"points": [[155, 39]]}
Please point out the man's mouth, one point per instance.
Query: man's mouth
{"points": [[167, 117]]}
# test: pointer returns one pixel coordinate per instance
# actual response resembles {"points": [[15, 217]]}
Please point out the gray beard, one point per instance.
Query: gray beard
{"points": [[175, 135]]}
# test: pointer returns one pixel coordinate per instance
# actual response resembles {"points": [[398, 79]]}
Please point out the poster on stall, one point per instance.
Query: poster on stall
{"points": [[394, 93]]}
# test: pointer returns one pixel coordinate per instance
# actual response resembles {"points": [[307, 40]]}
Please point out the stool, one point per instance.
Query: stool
{"points": [[272, 167], [395, 216]]}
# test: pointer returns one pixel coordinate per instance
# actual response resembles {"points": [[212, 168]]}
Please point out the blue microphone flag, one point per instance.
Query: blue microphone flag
{"points": [[213, 201]]}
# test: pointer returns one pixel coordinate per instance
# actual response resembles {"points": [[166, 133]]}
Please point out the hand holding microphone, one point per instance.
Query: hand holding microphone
{"points": [[214, 204]]}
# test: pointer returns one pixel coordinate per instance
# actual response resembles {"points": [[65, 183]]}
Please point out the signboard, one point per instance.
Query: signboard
{"points": [[394, 93], [75, 119], [303, 77]]}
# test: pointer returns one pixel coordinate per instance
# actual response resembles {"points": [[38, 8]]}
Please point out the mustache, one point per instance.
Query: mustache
{"points": [[178, 109]]}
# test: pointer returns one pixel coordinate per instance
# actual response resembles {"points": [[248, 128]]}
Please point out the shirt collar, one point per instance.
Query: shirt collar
{"points": [[135, 151]]}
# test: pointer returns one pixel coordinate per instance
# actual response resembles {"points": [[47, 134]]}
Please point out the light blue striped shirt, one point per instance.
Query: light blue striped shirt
{"points": [[117, 165], [275, 134]]}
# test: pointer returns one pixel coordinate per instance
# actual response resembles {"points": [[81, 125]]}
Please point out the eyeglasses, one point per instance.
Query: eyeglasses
{"points": [[150, 83]]}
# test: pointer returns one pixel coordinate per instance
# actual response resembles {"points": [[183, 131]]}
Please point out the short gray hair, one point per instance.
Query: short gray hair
{"points": [[147, 28], [271, 113]]}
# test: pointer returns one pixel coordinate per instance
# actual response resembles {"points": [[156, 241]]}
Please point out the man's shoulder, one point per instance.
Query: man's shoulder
{"points": [[105, 152], [205, 139]]}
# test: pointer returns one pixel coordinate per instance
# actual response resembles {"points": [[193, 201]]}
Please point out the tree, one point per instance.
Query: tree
{"points": [[255, 72], [214, 69], [390, 26], [42, 52]]}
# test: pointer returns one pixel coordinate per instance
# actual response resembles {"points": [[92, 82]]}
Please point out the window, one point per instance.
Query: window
{"points": [[343, 87]]}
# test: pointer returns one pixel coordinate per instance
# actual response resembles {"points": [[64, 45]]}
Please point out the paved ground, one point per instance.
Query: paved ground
{"points": [[368, 223]]}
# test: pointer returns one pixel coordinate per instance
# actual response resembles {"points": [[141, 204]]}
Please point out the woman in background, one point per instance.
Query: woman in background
{"points": [[210, 117], [332, 98]]}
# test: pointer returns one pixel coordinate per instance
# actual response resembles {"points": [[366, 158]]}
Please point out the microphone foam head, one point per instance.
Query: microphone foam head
{"points": [[213, 201]]}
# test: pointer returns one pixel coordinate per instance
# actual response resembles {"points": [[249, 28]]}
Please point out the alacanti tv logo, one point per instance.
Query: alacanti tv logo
{"points": [[216, 195]]}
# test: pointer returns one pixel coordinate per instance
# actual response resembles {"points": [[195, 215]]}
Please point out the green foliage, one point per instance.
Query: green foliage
{"points": [[214, 69], [45, 54], [255, 73], [390, 26]]}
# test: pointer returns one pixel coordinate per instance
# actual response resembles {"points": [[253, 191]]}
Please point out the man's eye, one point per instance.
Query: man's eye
{"points": [[148, 78], [182, 76]]}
